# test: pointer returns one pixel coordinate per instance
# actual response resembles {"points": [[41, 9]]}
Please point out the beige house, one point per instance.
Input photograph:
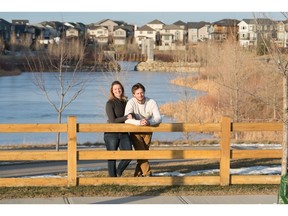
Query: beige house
{"points": [[171, 34], [123, 34], [197, 31], [98, 34], [72, 32], [250, 28], [110, 24], [156, 25], [145, 32], [119, 37], [282, 33], [107, 23]]}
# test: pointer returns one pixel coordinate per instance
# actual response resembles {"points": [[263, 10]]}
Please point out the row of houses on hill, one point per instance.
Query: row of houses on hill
{"points": [[164, 36]]}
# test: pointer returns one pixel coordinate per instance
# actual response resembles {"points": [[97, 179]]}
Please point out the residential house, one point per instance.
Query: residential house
{"points": [[37, 33], [98, 34], [57, 28], [51, 33], [282, 33], [5, 28], [225, 29], [123, 34], [110, 24], [249, 30], [75, 29], [172, 35], [183, 26], [72, 32], [21, 33], [157, 26], [144, 32], [197, 31]]}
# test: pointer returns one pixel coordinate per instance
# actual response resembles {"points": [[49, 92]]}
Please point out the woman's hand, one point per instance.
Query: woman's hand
{"points": [[129, 116]]}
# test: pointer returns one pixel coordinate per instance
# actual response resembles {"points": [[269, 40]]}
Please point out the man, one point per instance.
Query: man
{"points": [[146, 112]]}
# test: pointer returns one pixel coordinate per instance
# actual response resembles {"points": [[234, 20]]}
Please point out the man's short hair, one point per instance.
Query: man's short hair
{"points": [[136, 87]]}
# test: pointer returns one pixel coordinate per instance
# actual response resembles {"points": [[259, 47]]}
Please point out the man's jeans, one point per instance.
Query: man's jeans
{"points": [[114, 141]]}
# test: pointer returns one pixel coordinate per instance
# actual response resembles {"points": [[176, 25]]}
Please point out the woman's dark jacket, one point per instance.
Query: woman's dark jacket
{"points": [[115, 109]]}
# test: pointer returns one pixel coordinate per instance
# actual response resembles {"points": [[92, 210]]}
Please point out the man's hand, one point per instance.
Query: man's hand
{"points": [[144, 122]]}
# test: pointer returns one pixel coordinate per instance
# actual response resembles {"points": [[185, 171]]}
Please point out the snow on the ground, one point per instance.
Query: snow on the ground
{"points": [[254, 170]]}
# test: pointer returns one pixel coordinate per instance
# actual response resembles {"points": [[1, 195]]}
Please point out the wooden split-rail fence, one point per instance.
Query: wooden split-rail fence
{"points": [[72, 155]]}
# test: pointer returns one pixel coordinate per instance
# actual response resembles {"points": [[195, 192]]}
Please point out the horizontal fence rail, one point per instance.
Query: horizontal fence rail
{"points": [[72, 155]]}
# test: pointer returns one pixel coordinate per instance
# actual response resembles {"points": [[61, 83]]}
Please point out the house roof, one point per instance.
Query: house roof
{"points": [[20, 22], [156, 22], [115, 21], [196, 25], [226, 22], [129, 28], [97, 27], [102, 21], [172, 27], [179, 23], [260, 21], [55, 24], [119, 23], [4, 21], [146, 28]]}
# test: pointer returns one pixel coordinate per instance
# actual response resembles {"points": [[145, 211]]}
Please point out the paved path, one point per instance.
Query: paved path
{"points": [[239, 199]]}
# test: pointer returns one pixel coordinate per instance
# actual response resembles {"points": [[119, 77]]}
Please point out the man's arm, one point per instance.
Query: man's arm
{"points": [[156, 116], [128, 110]]}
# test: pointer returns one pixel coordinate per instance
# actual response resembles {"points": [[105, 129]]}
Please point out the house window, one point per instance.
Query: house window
{"points": [[166, 37], [119, 33], [149, 32], [177, 35], [271, 27]]}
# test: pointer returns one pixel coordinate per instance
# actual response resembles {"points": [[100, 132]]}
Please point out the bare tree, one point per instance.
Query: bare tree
{"points": [[67, 56], [280, 62]]}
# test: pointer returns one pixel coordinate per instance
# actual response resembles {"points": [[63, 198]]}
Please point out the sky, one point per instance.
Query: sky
{"points": [[139, 19], [91, 11]]}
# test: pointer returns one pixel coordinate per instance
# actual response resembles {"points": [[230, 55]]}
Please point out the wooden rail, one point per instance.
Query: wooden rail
{"points": [[224, 154]]}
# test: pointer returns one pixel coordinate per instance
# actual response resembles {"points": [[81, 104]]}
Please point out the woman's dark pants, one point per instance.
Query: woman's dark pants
{"points": [[114, 141]]}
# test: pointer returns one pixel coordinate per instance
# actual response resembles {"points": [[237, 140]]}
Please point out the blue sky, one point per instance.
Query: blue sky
{"points": [[138, 18], [139, 12]]}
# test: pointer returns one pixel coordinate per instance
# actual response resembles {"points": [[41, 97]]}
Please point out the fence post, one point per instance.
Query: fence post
{"points": [[72, 150], [225, 151]]}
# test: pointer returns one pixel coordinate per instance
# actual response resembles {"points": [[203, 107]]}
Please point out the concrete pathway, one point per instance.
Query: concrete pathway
{"points": [[239, 199]]}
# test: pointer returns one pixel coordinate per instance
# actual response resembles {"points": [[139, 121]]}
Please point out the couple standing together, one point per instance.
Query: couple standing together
{"points": [[139, 110]]}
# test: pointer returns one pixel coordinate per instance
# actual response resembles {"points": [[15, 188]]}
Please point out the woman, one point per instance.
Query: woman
{"points": [[115, 108]]}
